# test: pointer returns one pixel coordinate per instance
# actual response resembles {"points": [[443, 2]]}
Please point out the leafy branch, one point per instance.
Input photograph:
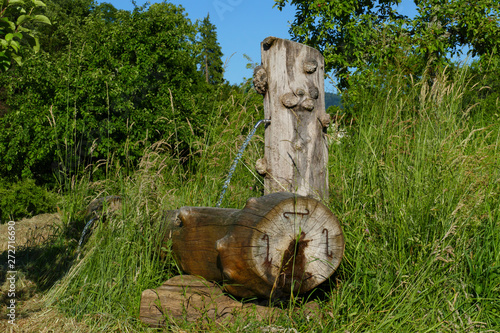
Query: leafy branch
{"points": [[13, 20]]}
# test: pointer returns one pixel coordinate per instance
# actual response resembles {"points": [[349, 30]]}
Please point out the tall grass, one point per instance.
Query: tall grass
{"points": [[416, 185], [417, 189]]}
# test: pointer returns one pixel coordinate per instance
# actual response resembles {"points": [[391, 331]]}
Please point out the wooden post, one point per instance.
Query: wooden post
{"points": [[291, 78]]}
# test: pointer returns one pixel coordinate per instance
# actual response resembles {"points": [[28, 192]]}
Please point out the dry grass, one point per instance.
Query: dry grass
{"points": [[32, 315], [31, 231]]}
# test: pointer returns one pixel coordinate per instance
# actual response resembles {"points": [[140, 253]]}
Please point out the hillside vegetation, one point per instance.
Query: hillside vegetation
{"points": [[121, 103]]}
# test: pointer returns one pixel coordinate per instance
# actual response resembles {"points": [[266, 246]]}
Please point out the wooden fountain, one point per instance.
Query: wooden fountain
{"points": [[285, 242]]}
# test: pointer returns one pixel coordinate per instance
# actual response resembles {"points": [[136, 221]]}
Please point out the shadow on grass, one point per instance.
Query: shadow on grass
{"points": [[40, 263]]}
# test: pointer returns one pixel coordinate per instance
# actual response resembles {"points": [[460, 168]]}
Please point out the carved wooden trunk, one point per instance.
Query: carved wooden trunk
{"points": [[278, 244], [291, 78], [284, 242]]}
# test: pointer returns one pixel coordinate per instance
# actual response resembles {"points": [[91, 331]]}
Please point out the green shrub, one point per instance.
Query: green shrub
{"points": [[24, 199], [121, 84]]}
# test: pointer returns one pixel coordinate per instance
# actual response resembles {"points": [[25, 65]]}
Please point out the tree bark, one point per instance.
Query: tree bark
{"points": [[194, 232]]}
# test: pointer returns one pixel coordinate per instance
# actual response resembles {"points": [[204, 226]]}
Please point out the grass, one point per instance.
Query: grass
{"points": [[415, 184], [417, 190]]}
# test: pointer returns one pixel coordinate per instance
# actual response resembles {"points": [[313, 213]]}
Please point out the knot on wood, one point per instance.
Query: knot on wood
{"points": [[290, 100], [268, 42], [310, 66], [313, 91], [308, 104], [301, 98], [324, 119], [261, 166], [260, 80]]}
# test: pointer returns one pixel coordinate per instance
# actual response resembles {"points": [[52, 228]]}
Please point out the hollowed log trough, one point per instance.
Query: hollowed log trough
{"points": [[278, 244]]}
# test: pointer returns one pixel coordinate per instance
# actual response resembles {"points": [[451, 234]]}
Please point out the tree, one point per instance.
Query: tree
{"points": [[484, 89], [120, 83], [67, 17], [361, 34], [210, 57]]}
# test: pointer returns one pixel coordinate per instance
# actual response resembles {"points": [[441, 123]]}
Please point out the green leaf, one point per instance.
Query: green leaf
{"points": [[39, 3], [21, 19], [9, 37], [41, 19], [15, 45], [4, 64], [17, 59], [36, 47], [8, 24], [16, 2]]}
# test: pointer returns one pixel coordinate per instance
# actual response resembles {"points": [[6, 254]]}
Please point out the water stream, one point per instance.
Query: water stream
{"points": [[84, 232], [237, 159]]}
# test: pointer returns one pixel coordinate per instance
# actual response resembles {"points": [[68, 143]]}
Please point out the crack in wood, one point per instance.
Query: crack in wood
{"points": [[292, 270]]}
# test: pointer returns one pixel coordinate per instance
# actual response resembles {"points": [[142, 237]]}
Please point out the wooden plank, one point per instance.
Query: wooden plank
{"points": [[191, 298]]}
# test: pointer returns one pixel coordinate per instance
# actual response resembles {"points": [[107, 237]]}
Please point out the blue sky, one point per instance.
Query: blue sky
{"points": [[241, 26]]}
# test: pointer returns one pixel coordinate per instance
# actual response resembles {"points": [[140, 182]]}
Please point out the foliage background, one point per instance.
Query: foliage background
{"points": [[105, 85]]}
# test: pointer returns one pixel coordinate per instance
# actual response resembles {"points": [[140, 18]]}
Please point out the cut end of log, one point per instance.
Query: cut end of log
{"points": [[277, 245], [289, 247]]}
